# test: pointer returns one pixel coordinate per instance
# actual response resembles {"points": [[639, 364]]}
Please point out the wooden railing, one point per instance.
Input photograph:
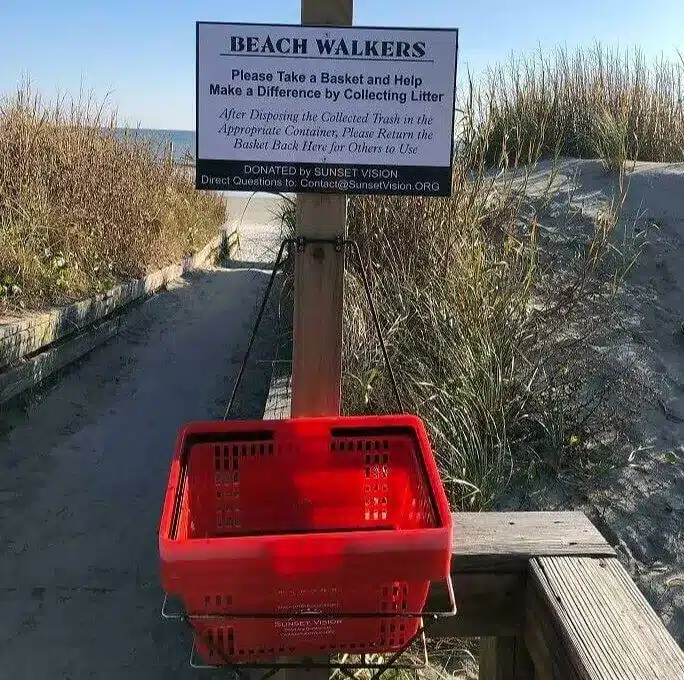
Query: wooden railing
{"points": [[548, 596]]}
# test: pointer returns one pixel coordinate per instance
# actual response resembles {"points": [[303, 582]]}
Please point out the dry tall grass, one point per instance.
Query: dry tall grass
{"points": [[486, 324], [484, 350], [81, 208], [485, 329], [593, 103]]}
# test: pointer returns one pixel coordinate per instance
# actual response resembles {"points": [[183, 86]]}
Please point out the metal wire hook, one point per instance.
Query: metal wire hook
{"points": [[301, 243]]}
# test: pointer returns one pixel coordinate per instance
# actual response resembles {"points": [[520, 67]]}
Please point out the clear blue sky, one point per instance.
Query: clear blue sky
{"points": [[143, 53]]}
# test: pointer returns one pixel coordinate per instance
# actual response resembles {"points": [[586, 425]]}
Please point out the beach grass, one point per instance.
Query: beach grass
{"points": [[482, 339], [484, 347], [475, 329], [485, 321], [82, 208], [488, 323], [592, 103]]}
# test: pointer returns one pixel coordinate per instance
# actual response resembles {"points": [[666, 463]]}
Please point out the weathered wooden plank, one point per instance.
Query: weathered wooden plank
{"points": [[505, 658], [544, 643], [25, 336], [319, 275], [490, 562], [33, 371], [328, 13], [488, 604], [319, 292], [278, 399], [28, 335], [317, 336], [589, 621], [505, 541]]}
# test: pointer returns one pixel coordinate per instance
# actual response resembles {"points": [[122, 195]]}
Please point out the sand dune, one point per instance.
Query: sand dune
{"points": [[640, 507]]}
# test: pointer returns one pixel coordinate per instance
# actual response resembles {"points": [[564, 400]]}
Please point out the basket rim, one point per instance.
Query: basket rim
{"points": [[424, 453]]}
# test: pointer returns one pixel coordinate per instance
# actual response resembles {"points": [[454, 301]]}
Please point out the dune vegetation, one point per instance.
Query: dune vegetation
{"points": [[596, 103], [486, 320], [82, 207]]}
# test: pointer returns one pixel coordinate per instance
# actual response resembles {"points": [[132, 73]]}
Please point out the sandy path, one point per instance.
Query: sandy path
{"points": [[83, 467]]}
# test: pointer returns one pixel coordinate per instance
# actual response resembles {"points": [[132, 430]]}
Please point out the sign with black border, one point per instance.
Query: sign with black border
{"points": [[325, 109]]}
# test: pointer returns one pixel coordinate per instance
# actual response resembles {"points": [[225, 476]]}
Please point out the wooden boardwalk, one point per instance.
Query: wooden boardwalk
{"points": [[552, 601]]}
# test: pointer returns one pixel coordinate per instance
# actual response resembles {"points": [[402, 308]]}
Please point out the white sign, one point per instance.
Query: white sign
{"points": [[301, 108]]}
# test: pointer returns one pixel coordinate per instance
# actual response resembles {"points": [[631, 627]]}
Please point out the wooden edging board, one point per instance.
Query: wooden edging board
{"points": [[489, 564], [33, 348]]}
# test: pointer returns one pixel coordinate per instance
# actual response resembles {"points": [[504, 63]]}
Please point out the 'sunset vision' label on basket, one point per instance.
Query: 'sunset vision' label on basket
{"points": [[325, 109], [307, 628]]}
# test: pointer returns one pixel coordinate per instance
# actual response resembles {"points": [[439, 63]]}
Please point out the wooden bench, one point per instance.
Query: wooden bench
{"points": [[548, 596]]}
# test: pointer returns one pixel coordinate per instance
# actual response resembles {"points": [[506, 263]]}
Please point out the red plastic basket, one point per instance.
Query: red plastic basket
{"points": [[329, 515]]}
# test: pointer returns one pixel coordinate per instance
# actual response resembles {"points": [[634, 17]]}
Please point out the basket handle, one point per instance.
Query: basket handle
{"points": [[376, 322]]}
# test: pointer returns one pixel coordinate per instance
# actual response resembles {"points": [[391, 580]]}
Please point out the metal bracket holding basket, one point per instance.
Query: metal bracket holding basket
{"points": [[427, 620], [300, 243], [389, 660]]}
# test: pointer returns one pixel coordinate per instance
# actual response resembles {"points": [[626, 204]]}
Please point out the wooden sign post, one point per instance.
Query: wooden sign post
{"points": [[324, 110], [319, 275], [319, 289]]}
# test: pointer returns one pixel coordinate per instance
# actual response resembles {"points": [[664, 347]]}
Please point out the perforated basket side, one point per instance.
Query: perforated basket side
{"points": [[257, 639]]}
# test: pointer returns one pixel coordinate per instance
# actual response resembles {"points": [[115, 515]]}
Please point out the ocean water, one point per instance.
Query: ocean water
{"points": [[183, 140]]}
